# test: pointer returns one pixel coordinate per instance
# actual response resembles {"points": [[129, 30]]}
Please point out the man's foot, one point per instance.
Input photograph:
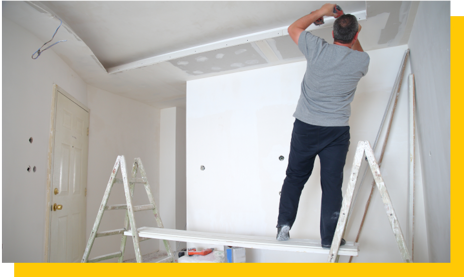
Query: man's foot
{"points": [[283, 233], [343, 242]]}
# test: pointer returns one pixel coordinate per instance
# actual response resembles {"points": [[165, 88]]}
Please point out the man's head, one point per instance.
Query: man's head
{"points": [[345, 28]]}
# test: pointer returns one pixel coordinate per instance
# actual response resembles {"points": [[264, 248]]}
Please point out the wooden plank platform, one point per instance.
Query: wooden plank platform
{"points": [[269, 243]]}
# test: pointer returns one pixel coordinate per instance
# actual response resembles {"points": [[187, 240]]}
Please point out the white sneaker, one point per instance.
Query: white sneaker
{"points": [[283, 233]]}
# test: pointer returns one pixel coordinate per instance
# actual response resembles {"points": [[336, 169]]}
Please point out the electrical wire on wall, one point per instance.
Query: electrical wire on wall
{"points": [[38, 52]]}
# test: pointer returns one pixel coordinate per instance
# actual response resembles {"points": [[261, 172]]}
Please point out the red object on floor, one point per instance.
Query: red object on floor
{"points": [[193, 251]]}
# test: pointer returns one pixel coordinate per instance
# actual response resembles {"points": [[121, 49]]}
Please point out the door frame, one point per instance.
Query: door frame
{"points": [[51, 146]]}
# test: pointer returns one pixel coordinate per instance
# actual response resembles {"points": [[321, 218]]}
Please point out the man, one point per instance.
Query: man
{"points": [[322, 114]]}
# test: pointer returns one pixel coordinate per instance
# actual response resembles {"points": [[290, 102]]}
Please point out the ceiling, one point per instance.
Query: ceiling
{"points": [[104, 36]]}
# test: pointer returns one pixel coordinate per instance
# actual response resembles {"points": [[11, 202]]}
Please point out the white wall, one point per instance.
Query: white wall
{"points": [[181, 176], [239, 124], [27, 99], [117, 126], [172, 171], [120, 126], [167, 177], [430, 56]]}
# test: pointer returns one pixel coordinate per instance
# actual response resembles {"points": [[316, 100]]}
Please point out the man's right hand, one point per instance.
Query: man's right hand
{"points": [[327, 9], [301, 24]]}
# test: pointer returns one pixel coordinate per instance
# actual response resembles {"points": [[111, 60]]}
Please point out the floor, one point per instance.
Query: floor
{"points": [[215, 257], [150, 258]]}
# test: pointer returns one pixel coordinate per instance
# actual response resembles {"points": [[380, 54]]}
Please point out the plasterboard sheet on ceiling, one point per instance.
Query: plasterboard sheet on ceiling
{"points": [[285, 48], [221, 60]]}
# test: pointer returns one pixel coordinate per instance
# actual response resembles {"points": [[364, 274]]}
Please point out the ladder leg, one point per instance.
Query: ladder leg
{"points": [[130, 211], [126, 227], [346, 204], [126, 220], [155, 209], [387, 204], [93, 233]]}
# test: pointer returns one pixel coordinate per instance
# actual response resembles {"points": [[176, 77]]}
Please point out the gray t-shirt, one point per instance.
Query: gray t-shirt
{"points": [[332, 74]]}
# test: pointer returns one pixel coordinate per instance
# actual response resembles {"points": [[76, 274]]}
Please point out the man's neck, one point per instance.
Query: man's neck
{"points": [[349, 45]]}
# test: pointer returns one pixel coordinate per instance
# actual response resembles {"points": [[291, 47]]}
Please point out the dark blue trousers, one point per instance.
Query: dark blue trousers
{"points": [[331, 145]]}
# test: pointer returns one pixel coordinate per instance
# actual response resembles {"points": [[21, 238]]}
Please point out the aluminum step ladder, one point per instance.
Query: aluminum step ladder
{"points": [[120, 166], [365, 147]]}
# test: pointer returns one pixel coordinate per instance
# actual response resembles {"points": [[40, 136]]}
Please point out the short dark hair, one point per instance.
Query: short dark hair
{"points": [[345, 28]]}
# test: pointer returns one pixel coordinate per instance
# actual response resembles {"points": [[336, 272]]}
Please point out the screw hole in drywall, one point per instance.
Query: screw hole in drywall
{"points": [[202, 167], [29, 169], [31, 139], [34, 169], [281, 158]]}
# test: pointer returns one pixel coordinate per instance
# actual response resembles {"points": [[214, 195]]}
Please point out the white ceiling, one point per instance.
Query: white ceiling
{"points": [[103, 35]]}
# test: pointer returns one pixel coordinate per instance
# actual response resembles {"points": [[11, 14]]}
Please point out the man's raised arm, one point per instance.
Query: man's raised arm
{"points": [[301, 24], [357, 45]]}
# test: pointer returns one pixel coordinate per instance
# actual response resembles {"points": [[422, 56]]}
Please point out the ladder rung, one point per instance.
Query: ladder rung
{"points": [[124, 207], [143, 208], [111, 232], [116, 207], [136, 181], [105, 257]]}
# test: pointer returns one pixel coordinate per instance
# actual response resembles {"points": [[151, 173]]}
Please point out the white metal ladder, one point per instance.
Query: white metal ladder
{"points": [[365, 147], [120, 165]]}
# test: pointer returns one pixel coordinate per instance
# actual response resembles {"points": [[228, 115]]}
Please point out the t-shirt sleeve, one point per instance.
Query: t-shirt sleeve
{"points": [[366, 64], [310, 44]]}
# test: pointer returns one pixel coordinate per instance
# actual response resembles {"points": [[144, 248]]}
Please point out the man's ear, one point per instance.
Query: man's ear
{"points": [[333, 34], [355, 37]]}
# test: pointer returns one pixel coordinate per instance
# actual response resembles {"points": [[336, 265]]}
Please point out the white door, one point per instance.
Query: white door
{"points": [[69, 182]]}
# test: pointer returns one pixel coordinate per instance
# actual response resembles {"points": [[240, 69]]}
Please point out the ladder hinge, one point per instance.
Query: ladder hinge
{"points": [[87, 131]]}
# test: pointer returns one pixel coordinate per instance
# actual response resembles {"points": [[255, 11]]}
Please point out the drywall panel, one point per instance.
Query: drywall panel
{"points": [[238, 125], [120, 126], [285, 48], [160, 27], [430, 57], [27, 87], [221, 60]]}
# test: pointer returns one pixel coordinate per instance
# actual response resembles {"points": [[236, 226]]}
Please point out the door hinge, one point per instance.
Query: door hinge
{"points": [[87, 131]]}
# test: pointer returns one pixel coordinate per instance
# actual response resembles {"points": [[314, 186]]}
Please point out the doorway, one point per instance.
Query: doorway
{"points": [[67, 181]]}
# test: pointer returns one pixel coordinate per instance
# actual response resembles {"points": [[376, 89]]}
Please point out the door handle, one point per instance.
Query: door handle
{"points": [[57, 207]]}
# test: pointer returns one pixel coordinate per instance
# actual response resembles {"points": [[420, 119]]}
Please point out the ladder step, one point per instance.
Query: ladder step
{"points": [[111, 232], [116, 207], [124, 207], [143, 208], [105, 257], [131, 181]]}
